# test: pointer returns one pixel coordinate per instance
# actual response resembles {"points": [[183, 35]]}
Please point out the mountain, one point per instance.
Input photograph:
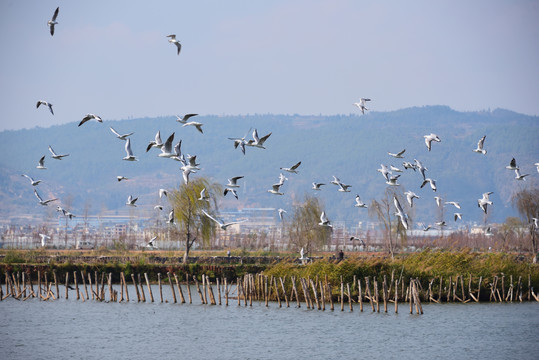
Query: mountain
{"points": [[350, 147]]}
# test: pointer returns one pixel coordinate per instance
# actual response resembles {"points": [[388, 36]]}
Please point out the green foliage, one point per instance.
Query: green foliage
{"points": [[13, 257], [303, 230]]}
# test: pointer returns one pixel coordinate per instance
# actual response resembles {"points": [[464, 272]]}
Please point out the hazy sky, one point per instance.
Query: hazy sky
{"points": [[112, 58]]}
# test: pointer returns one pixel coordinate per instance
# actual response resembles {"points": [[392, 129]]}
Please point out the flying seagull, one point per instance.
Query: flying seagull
{"points": [[64, 212], [184, 119], [43, 102], [344, 187], [162, 192], [129, 152], [292, 169], [171, 217], [430, 138], [175, 42], [537, 164], [158, 143], [158, 207], [393, 180], [488, 231], [41, 201], [316, 186], [426, 228], [120, 136], [361, 104], [438, 200], [120, 178], [32, 181], [281, 211], [282, 179], [195, 124], [518, 176], [484, 201], [394, 168], [275, 189], [232, 191], [44, 239], [360, 203], [222, 225], [384, 171], [410, 196], [131, 201], [421, 168], [441, 223], [480, 144], [457, 216], [41, 163], [431, 182], [232, 182], [400, 213], [512, 165], [454, 203], [52, 22], [56, 156], [324, 220], [258, 142], [397, 155], [89, 117], [150, 245], [203, 195]]}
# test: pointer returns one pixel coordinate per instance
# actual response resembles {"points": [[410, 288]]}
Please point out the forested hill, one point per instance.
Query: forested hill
{"points": [[351, 147]]}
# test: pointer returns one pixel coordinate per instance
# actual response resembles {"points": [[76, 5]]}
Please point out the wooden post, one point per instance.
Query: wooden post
{"points": [[410, 297], [97, 286], [219, 290], [84, 283], [102, 292], [266, 294], [384, 293], [121, 287], [90, 283], [182, 299], [226, 293], [142, 294], [160, 286], [205, 301], [417, 298], [440, 290], [376, 294], [368, 293], [360, 295], [295, 291], [349, 296], [342, 295], [210, 291], [135, 285], [125, 284], [529, 287], [171, 287], [111, 291], [76, 284], [188, 289], [396, 297], [322, 296], [315, 294], [284, 292], [148, 286], [56, 284], [462, 288], [17, 289], [503, 288], [67, 284], [198, 289]]}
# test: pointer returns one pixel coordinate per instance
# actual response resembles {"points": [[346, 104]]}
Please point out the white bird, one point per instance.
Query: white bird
{"points": [[42, 102], [275, 189], [441, 223], [171, 217], [535, 223], [392, 181], [41, 163], [281, 212], [512, 165], [344, 187], [89, 117], [431, 182], [241, 142], [222, 225], [175, 42], [150, 245], [282, 179], [430, 138], [177, 152], [426, 228], [131, 201], [410, 196], [129, 153], [324, 220], [457, 216], [32, 181], [488, 231], [438, 200], [120, 136], [203, 195], [518, 176], [361, 104], [185, 174], [480, 144], [408, 165], [316, 186], [384, 171], [484, 201], [233, 182], [232, 191], [56, 156], [120, 178], [41, 201], [64, 212], [454, 203], [162, 192], [292, 169], [397, 155], [166, 149], [359, 203], [157, 143], [336, 180], [394, 168], [195, 124], [302, 255], [258, 142], [400, 213], [44, 239], [421, 168], [52, 22], [361, 241], [537, 164], [185, 118], [158, 207]]}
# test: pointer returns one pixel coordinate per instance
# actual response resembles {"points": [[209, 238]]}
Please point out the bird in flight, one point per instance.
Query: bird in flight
{"points": [[173, 40], [32, 181], [52, 22], [221, 224], [430, 138], [120, 136], [43, 102], [361, 104], [184, 119], [55, 156], [41, 201], [480, 144], [90, 117], [292, 169]]}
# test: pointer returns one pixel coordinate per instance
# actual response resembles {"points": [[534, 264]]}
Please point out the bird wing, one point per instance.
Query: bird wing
{"points": [[114, 131], [402, 152], [37, 195], [481, 142], [55, 14], [52, 151], [128, 147], [263, 139], [513, 162], [295, 166], [208, 215]]}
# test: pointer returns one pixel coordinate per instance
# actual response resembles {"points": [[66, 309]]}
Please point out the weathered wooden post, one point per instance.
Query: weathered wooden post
{"points": [[384, 293], [266, 295], [359, 295], [376, 294], [67, 285], [396, 297], [188, 289], [76, 284], [160, 288], [198, 289], [102, 291], [111, 291], [142, 294], [91, 287], [226, 292], [218, 290], [55, 284], [148, 286], [171, 287], [410, 297], [368, 293], [322, 296], [84, 283], [182, 299], [342, 295], [349, 296], [135, 285]]}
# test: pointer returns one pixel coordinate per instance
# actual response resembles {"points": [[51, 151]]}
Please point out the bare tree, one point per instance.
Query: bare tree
{"points": [[303, 229], [527, 203]]}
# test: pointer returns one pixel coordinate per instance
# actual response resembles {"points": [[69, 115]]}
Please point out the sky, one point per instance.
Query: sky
{"points": [[308, 57]]}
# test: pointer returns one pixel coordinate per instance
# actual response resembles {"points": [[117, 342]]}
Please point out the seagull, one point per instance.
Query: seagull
{"points": [[195, 124], [535, 223], [185, 174], [292, 169], [222, 225], [488, 231], [121, 137], [171, 217], [282, 179], [175, 42], [344, 187], [316, 186], [324, 220], [32, 181], [397, 155], [44, 239], [240, 142], [359, 203], [336, 180], [384, 171], [438, 200], [42, 102], [361, 242], [232, 182], [400, 213], [64, 212], [129, 152], [441, 224], [162, 192], [275, 189], [432, 183], [55, 156], [519, 176], [281, 211], [410, 196], [454, 203], [41, 163], [421, 168], [90, 117], [258, 142], [426, 228], [203, 195], [166, 149], [457, 216], [393, 180], [430, 138], [158, 143], [41, 201], [131, 201], [408, 165], [233, 191], [158, 207], [484, 201], [302, 255], [537, 164], [185, 118], [394, 168], [53, 21], [361, 104], [120, 178], [150, 244], [177, 152], [479, 148], [512, 165]]}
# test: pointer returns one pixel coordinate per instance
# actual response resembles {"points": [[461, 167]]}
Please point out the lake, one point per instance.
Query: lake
{"points": [[72, 329]]}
